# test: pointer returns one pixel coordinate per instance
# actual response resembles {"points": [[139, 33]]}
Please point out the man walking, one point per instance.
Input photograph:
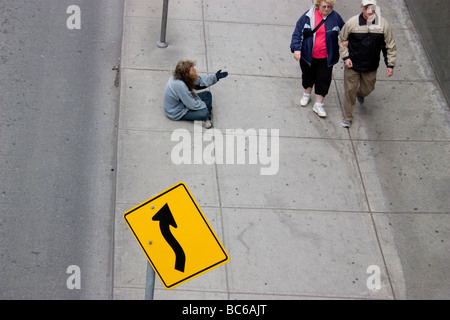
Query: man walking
{"points": [[361, 42]]}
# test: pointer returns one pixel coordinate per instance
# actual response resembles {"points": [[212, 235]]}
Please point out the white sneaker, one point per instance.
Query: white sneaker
{"points": [[318, 108], [305, 100]]}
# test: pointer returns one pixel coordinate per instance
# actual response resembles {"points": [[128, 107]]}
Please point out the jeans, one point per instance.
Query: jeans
{"points": [[202, 114]]}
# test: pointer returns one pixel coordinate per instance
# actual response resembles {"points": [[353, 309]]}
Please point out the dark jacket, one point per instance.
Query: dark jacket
{"points": [[365, 44], [333, 25]]}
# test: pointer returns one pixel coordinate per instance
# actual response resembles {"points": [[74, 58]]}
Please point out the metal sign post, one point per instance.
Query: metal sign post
{"points": [[149, 282], [162, 42]]}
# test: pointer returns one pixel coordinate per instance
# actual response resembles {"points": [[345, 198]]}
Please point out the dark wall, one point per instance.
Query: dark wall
{"points": [[432, 19]]}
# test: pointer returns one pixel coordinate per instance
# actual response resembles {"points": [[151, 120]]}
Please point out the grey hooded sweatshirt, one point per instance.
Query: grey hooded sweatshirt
{"points": [[178, 100]]}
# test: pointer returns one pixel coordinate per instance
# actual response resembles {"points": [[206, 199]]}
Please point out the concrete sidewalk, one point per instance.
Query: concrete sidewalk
{"points": [[341, 201]]}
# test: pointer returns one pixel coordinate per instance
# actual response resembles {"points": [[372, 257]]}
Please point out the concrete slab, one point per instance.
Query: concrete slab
{"points": [[175, 294], [433, 33], [386, 235], [302, 253], [139, 48], [153, 9], [268, 297], [422, 243], [305, 164], [255, 11], [129, 261], [261, 50], [129, 293], [414, 176], [142, 104], [147, 169]]}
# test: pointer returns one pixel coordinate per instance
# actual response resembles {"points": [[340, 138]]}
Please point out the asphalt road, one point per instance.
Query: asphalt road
{"points": [[58, 137]]}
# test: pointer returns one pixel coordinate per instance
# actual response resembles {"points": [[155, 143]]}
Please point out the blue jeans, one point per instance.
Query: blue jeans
{"points": [[202, 114]]}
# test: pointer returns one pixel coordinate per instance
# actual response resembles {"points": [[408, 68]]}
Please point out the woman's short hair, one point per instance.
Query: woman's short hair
{"points": [[318, 2]]}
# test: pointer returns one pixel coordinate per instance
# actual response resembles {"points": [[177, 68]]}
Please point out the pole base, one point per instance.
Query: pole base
{"points": [[160, 44]]}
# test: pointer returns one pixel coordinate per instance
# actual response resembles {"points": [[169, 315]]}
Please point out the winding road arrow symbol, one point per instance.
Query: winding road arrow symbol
{"points": [[165, 218]]}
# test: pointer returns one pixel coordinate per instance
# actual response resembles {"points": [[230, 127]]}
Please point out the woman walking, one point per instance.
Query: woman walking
{"points": [[315, 44]]}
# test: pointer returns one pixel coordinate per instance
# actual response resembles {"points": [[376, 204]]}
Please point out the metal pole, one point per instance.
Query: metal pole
{"points": [[149, 282], [162, 42]]}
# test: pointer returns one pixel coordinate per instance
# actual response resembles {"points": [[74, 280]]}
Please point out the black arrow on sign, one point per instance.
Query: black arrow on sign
{"points": [[165, 218]]}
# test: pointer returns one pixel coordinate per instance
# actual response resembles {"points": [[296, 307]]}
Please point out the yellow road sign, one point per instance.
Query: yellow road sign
{"points": [[175, 236]]}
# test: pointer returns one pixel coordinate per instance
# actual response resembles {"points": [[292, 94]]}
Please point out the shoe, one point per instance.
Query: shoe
{"points": [[305, 100], [346, 123], [360, 99], [207, 124], [318, 108]]}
